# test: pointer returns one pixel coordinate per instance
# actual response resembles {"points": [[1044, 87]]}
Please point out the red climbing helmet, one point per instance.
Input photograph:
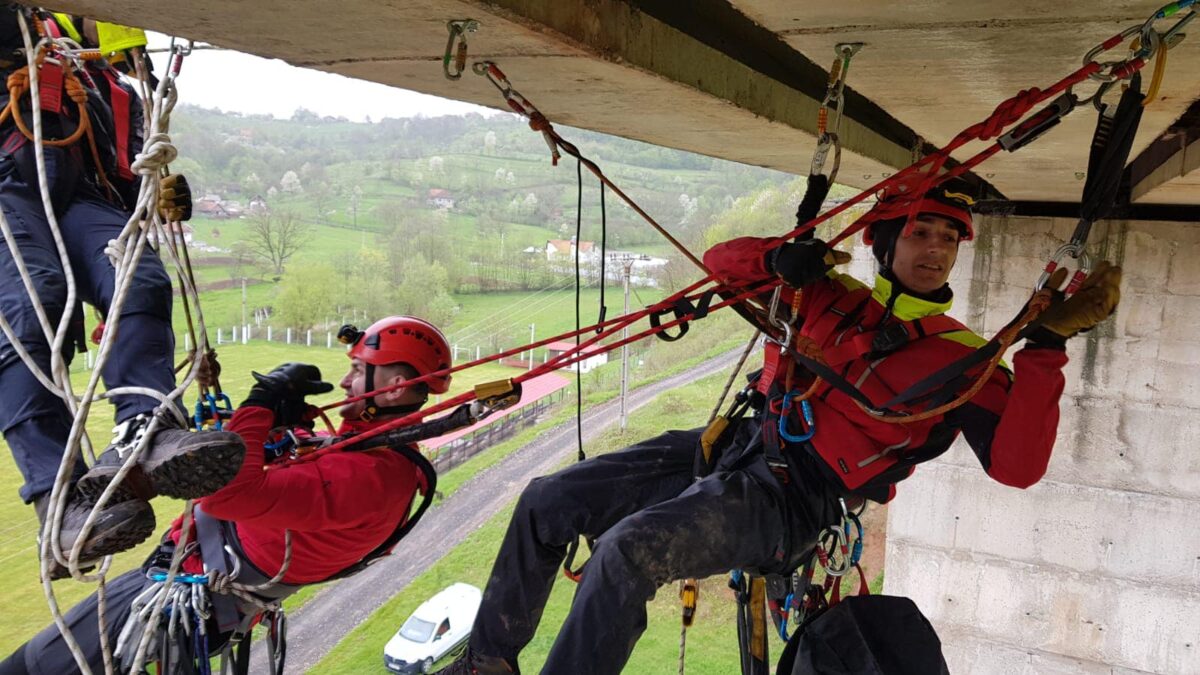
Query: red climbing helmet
{"points": [[938, 200], [402, 339]]}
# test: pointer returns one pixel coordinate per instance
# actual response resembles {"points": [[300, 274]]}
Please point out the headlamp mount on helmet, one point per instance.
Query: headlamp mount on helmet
{"points": [[349, 335]]}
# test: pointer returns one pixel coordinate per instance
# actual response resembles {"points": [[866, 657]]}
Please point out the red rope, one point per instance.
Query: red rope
{"points": [[570, 357], [1005, 114]]}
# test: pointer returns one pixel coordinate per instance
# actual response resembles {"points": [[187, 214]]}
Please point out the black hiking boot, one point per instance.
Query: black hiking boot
{"points": [[118, 527], [177, 463], [470, 663]]}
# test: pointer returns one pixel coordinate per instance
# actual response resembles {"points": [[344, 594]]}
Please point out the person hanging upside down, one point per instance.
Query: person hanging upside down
{"points": [[765, 498], [91, 193], [343, 509]]}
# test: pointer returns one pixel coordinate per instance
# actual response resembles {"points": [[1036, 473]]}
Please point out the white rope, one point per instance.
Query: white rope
{"points": [[125, 253]]}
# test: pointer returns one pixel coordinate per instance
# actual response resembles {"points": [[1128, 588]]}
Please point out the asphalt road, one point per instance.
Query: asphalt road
{"points": [[329, 616]]}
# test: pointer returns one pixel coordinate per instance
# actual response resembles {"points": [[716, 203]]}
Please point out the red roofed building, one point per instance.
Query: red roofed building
{"points": [[561, 249]]}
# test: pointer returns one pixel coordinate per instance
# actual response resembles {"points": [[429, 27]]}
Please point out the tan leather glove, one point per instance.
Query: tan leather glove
{"points": [[175, 198], [1094, 302]]}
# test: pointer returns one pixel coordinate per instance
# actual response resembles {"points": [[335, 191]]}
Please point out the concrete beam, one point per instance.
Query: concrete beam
{"points": [[700, 77], [1168, 170], [941, 65]]}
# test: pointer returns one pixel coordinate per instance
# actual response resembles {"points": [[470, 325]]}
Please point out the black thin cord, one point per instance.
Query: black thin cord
{"points": [[603, 257], [578, 367]]}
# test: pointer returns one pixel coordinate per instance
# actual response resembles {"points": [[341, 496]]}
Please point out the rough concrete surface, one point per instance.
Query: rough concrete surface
{"points": [[1097, 568]]}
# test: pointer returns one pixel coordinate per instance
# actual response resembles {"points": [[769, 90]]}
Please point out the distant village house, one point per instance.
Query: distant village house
{"points": [[440, 199]]}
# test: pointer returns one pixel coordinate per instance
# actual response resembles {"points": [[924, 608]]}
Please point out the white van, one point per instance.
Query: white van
{"points": [[439, 625]]}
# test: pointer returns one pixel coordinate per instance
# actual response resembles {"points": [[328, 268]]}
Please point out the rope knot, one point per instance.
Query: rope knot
{"points": [[157, 152], [538, 122]]}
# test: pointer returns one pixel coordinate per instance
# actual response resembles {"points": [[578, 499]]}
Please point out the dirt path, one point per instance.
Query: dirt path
{"points": [[330, 615]]}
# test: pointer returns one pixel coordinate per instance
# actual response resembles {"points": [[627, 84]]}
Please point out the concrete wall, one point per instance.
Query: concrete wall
{"points": [[1097, 568]]}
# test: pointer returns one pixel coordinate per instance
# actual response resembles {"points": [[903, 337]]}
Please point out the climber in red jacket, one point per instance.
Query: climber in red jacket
{"points": [[774, 481], [338, 509]]}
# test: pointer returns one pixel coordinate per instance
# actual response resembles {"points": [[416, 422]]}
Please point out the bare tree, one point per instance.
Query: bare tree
{"points": [[276, 237]]}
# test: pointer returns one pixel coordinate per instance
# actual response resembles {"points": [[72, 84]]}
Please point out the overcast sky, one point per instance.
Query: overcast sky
{"points": [[272, 86]]}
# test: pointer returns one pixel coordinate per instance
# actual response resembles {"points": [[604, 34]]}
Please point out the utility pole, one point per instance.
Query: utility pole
{"points": [[531, 338], [627, 262]]}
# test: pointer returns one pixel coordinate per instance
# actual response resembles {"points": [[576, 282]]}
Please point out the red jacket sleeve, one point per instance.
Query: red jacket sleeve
{"points": [[305, 496], [739, 260], [1012, 426]]}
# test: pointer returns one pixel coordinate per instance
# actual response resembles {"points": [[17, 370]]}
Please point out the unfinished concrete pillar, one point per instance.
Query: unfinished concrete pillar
{"points": [[1097, 568]]}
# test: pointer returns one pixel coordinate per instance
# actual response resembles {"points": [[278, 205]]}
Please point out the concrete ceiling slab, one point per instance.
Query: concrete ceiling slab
{"points": [[738, 82], [941, 65]]}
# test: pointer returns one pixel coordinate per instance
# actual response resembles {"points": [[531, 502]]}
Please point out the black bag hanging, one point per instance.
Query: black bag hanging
{"points": [[865, 635]]}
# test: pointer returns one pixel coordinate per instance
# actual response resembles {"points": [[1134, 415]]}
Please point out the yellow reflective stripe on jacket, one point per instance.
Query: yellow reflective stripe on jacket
{"points": [[68, 26], [116, 38]]}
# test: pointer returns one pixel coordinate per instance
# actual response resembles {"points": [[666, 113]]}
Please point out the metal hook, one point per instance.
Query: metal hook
{"points": [[458, 29]]}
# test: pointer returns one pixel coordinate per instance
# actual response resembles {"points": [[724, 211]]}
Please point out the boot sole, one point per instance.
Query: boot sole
{"points": [[118, 537], [104, 541], [196, 473]]}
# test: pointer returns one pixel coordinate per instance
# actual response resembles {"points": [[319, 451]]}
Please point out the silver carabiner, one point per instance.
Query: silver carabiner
{"points": [[458, 29], [1082, 268], [840, 544]]}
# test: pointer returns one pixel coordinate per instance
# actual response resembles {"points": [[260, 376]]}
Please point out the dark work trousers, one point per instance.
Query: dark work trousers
{"points": [[34, 421], [47, 652], [655, 525]]}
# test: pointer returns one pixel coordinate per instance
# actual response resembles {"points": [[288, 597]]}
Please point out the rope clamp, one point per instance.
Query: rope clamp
{"points": [[1039, 123], [457, 55]]}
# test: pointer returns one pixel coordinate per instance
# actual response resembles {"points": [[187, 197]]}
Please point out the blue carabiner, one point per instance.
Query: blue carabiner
{"points": [[214, 402], [805, 410], [786, 613], [198, 416], [856, 550]]}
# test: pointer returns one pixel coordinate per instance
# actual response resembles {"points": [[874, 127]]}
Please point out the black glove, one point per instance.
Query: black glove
{"points": [[803, 262], [283, 390]]}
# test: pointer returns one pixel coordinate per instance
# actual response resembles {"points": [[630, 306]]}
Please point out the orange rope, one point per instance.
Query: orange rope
{"points": [[18, 84]]}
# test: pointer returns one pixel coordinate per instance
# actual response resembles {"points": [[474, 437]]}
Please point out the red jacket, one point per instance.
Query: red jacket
{"points": [[338, 507], [1010, 424]]}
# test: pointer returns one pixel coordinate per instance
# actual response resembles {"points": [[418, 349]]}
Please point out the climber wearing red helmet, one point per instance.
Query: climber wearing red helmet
{"points": [[390, 351], [341, 511]]}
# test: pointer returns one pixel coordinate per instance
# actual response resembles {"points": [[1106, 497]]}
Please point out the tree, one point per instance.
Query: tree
{"points": [[243, 258], [276, 237], [251, 184], [322, 198], [422, 291], [307, 297], [290, 183]]}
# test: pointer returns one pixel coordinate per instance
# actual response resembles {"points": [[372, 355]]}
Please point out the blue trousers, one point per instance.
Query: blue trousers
{"points": [[34, 421]]}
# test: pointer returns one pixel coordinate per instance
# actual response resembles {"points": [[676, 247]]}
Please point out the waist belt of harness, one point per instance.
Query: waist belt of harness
{"points": [[214, 536]]}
